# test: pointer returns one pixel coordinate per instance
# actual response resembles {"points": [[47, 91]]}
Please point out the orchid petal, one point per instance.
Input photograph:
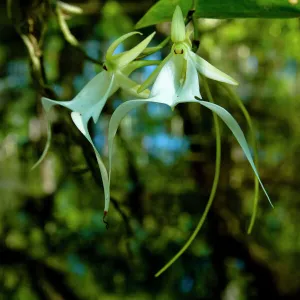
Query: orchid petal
{"points": [[91, 99], [210, 71], [110, 51], [133, 53], [166, 84], [190, 87], [177, 26], [89, 102], [238, 133], [177, 81], [81, 124], [154, 74], [96, 109], [86, 105]]}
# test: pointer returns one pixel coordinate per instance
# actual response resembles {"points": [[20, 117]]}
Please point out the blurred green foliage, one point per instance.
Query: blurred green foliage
{"points": [[163, 9], [53, 243]]}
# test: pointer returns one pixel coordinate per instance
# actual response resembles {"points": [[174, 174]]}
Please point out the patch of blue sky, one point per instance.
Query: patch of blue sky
{"points": [[158, 110], [18, 75], [79, 82], [11, 82], [89, 71], [119, 49], [92, 48], [99, 138], [165, 147], [146, 71], [18, 68]]}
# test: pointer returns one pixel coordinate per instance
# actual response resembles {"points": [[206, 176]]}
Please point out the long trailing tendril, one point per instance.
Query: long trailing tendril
{"points": [[213, 189]]}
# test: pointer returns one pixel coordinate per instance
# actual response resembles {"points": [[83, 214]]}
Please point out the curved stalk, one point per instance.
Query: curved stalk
{"points": [[213, 189]]}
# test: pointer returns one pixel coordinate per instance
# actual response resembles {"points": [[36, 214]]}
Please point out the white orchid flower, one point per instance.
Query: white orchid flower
{"points": [[91, 99], [178, 82], [182, 50]]}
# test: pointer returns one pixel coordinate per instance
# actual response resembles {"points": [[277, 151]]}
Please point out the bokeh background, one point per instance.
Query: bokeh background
{"points": [[53, 242]]}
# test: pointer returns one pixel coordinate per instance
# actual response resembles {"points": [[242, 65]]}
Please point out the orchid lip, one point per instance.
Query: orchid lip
{"points": [[180, 48]]}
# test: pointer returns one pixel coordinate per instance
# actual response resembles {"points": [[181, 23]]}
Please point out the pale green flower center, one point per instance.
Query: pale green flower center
{"points": [[180, 48], [110, 66]]}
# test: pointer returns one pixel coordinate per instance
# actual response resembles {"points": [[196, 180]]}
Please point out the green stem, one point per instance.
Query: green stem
{"points": [[213, 189], [254, 145]]}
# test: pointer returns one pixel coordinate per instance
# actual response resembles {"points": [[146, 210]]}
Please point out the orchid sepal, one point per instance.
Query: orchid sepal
{"points": [[111, 49], [177, 26], [153, 75], [120, 60], [209, 71]]}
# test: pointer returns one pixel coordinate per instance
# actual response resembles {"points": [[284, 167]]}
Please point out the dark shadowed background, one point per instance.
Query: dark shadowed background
{"points": [[53, 242]]}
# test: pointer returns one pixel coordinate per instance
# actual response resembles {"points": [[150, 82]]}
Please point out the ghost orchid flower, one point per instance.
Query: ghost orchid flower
{"points": [[181, 52], [177, 82], [91, 99]]}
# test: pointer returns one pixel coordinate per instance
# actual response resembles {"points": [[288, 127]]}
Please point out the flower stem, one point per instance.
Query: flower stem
{"points": [[213, 189], [242, 107]]}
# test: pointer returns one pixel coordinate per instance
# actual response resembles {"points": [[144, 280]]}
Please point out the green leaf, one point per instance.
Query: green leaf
{"points": [[163, 10]]}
